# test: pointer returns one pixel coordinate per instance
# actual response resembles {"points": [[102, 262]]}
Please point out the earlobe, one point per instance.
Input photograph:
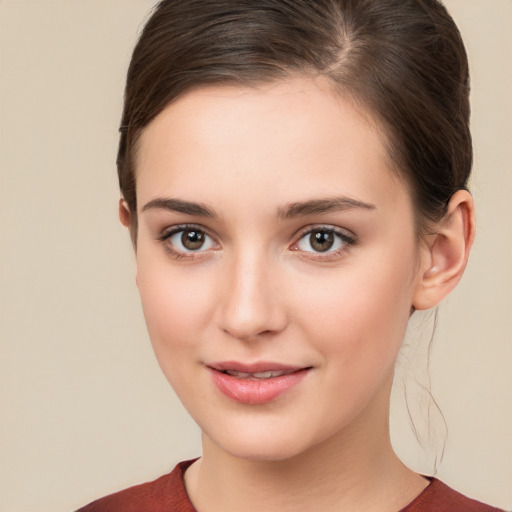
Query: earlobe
{"points": [[445, 256]]}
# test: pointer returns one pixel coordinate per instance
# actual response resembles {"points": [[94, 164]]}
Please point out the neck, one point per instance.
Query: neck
{"points": [[355, 469]]}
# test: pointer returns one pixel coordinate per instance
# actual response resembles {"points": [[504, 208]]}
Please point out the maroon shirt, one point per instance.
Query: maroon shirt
{"points": [[167, 494]]}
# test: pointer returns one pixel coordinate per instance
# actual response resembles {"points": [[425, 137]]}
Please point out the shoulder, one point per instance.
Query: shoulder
{"points": [[165, 494], [439, 497]]}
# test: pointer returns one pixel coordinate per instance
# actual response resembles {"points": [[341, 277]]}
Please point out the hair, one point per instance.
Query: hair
{"points": [[402, 60]]}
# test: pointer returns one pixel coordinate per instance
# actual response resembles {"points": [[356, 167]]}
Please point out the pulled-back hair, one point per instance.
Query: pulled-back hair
{"points": [[403, 61]]}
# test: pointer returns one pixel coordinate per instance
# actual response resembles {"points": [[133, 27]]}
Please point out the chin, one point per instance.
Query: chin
{"points": [[264, 444], [263, 452]]}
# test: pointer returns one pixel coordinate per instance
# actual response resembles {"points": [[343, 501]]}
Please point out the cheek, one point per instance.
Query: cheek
{"points": [[357, 324], [177, 306], [360, 315]]}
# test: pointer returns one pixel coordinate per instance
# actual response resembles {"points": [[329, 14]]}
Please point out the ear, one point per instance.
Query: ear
{"points": [[446, 252], [125, 216], [124, 213]]}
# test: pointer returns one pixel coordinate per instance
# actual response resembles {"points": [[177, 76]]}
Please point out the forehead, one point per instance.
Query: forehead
{"points": [[293, 137]]}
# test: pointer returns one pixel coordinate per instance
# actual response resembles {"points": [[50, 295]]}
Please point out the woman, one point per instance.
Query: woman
{"points": [[293, 176]]}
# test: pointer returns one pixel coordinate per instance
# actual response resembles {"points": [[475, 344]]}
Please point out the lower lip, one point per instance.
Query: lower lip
{"points": [[254, 391]]}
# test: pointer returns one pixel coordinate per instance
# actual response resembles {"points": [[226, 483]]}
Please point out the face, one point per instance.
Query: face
{"points": [[276, 263]]}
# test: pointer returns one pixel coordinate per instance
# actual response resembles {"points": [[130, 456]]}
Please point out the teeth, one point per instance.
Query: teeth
{"points": [[266, 375], [262, 375], [257, 375], [241, 375]]}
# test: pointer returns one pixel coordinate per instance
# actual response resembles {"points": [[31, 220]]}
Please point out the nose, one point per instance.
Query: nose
{"points": [[251, 300]]}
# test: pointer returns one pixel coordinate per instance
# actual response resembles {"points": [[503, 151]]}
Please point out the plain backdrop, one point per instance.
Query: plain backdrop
{"points": [[84, 410]]}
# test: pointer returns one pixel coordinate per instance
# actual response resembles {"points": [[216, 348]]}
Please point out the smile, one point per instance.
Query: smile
{"points": [[257, 375], [255, 384]]}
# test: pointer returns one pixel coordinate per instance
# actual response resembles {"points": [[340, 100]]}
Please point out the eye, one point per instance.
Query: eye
{"points": [[324, 240], [187, 239]]}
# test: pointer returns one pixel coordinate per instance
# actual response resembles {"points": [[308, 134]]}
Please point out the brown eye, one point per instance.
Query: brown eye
{"points": [[324, 240], [321, 241], [192, 239], [188, 239]]}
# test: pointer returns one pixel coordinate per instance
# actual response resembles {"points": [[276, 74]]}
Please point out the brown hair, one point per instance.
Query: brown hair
{"points": [[403, 60]]}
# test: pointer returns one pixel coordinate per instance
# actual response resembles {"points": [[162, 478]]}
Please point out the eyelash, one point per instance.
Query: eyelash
{"points": [[167, 234], [346, 240]]}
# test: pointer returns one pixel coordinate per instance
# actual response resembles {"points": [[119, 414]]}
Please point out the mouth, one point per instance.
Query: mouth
{"points": [[269, 374], [256, 383]]}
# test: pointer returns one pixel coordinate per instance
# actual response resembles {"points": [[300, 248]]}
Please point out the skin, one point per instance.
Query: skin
{"points": [[257, 290]]}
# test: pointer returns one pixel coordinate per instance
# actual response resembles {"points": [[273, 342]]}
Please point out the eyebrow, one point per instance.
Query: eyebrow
{"points": [[290, 211], [321, 206], [181, 206]]}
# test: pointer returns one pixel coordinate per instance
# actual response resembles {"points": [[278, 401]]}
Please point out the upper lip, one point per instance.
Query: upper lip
{"points": [[257, 367]]}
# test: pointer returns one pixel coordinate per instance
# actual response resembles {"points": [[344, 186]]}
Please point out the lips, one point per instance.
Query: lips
{"points": [[255, 383], [256, 375]]}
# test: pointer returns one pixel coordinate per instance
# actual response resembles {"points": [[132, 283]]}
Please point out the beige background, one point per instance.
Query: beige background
{"points": [[84, 409]]}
